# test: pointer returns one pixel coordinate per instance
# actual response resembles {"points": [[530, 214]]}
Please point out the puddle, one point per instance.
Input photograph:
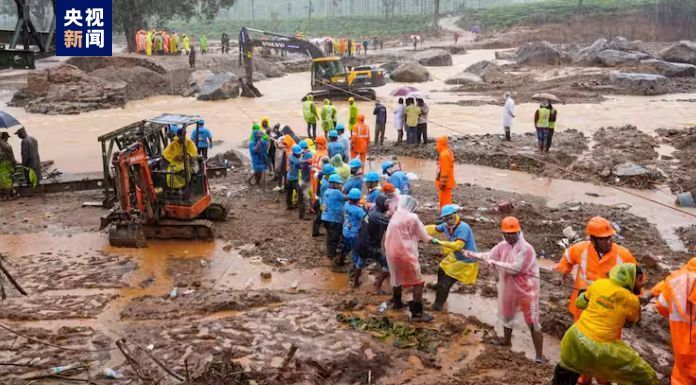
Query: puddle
{"points": [[558, 191]]}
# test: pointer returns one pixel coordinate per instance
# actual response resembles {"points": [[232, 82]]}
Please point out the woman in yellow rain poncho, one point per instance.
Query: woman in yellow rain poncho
{"points": [[455, 267], [593, 345], [174, 155]]}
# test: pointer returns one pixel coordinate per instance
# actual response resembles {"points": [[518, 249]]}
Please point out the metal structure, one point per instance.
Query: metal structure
{"points": [[35, 44]]}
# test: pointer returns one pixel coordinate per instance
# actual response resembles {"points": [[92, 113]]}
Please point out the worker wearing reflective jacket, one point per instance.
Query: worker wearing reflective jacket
{"points": [[677, 302], [352, 113], [445, 172], [360, 140], [593, 345], [594, 258], [309, 110], [327, 123]]}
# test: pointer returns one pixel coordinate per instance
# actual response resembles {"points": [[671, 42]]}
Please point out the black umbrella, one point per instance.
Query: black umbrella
{"points": [[7, 120]]}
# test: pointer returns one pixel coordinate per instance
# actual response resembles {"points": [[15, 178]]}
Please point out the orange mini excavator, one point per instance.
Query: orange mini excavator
{"points": [[148, 202]]}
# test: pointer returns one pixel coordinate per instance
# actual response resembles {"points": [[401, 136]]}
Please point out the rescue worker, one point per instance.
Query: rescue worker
{"points": [[676, 302], [552, 126], [159, 43], [593, 344], [594, 258], [389, 191], [518, 283], [305, 182], [167, 42], [401, 244], [332, 215], [185, 44], [148, 44], [360, 140], [309, 110], [174, 156], [7, 166], [344, 138], [174, 44], [398, 178], [30, 156], [192, 57], [445, 172], [139, 47], [356, 178], [352, 113], [203, 41], [203, 138], [334, 115], [326, 171], [258, 149], [373, 191], [455, 266], [293, 185], [368, 244], [541, 122], [353, 215], [327, 124], [380, 113], [422, 128], [335, 147], [320, 153], [342, 169]]}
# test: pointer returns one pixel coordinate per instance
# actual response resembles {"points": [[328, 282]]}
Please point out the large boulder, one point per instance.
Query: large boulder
{"points": [[669, 69], [197, 77], [614, 58], [622, 44], [539, 53], [223, 85], [506, 55], [434, 58], [465, 78], [639, 83], [588, 55], [488, 71], [410, 72], [681, 52]]}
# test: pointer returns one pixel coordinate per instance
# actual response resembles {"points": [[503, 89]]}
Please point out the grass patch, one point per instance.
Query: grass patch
{"points": [[401, 335]]}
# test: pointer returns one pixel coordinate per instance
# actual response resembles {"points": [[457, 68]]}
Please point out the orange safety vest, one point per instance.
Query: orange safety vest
{"points": [[360, 138], [678, 303], [590, 267]]}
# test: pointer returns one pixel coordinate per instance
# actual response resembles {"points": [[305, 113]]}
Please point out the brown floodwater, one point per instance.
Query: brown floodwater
{"points": [[71, 140]]}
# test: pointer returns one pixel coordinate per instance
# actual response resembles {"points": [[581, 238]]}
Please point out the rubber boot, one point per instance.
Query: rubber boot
{"points": [[417, 314], [396, 298], [441, 294], [563, 376]]}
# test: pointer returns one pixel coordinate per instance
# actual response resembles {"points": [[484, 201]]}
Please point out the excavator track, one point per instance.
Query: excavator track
{"points": [[199, 229], [216, 212]]}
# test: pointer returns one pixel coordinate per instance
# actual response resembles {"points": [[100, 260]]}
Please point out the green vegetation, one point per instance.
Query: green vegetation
{"points": [[401, 335], [551, 11], [342, 26]]}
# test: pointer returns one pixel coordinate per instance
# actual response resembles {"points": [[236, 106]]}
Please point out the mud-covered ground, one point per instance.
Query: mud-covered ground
{"points": [[682, 178]]}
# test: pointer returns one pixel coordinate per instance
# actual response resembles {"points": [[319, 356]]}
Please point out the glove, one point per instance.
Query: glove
{"points": [[435, 241]]}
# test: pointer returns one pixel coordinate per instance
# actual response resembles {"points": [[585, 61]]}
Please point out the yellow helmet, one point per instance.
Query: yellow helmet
{"points": [[265, 121], [351, 99]]}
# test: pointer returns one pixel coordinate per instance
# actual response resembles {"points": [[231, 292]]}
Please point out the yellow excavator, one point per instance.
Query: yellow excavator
{"points": [[330, 78]]}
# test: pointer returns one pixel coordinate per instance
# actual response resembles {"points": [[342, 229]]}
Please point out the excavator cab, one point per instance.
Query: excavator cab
{"points": [[156, 198]]}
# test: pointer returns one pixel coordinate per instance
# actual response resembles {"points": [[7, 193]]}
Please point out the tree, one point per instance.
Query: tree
{"points": [[436, 12], [129, 16]]}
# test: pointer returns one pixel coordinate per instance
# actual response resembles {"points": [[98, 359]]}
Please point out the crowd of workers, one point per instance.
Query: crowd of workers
{"points": [[371, 217], [29, 168]]}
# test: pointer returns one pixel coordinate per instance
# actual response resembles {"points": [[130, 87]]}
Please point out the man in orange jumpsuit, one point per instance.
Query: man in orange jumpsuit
{"points": [[677, 301], [444, 182], [594, 258], [360, 140]]}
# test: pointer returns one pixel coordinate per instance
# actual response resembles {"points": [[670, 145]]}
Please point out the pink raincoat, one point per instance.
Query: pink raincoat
{"points": [[401, 244], [518, 289]]}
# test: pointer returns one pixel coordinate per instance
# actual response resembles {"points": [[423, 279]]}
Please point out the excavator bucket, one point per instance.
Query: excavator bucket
{"points": [[130, 234], [249, 90]]}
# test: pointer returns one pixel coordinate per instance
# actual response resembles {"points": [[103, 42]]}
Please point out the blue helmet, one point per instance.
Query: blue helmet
{"points": [[449, 210], [333, 134], [335, 178], [328, 169], [340, 127], [304, 145], [355, 163], [297, 150], [387, 165], [201, 122], [372, 176], [307, 156], [354, 194]]}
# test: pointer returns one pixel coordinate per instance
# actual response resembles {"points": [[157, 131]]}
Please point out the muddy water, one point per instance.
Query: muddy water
{"points": [[557, 191], [71, 140]]}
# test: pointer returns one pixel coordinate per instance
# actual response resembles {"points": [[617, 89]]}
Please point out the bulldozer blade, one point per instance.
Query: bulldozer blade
{"points": [[127, 235], [198, 229], [250, 91]]}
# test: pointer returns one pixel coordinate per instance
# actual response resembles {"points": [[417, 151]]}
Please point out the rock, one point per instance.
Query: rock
{"points": [[639, 83], [613, 58], [258, 76], [227, 247], [466, 78], [411, 72], [452, 49], [488, 71], [416, 362], [266, 275], [505, 207], [220, 86], [622, 44], [390, 66], [669, 69], [629, 169], [277, 362], [434, 58], [681, 52], [369, 354], [588, 55], [506, 55], [198, 77], [539, 53]]}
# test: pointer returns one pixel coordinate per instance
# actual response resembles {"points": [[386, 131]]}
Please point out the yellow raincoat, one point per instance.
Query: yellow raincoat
{"points": [[148, 44], [174, 155], [462, 269], [593, 345]]}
